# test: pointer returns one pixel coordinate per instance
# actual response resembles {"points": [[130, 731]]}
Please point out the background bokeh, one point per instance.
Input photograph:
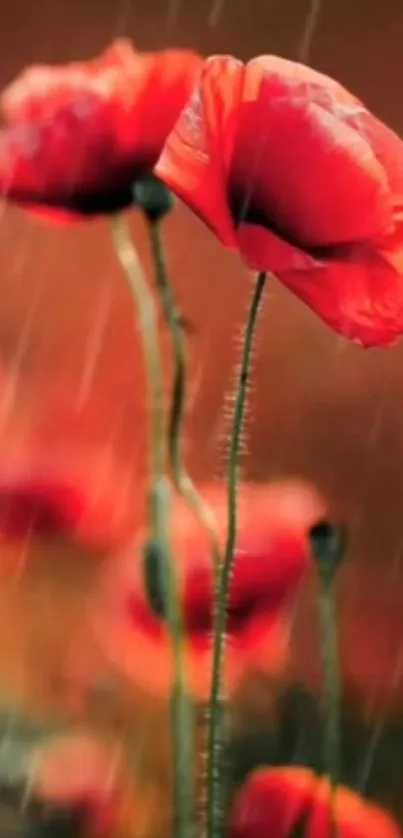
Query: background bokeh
{"points": [[71, 379]]}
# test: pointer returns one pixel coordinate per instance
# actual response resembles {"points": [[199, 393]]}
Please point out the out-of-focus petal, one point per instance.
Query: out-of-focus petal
{"points": [[77, 136], [274, 801], [80, 772], [271, 559]]}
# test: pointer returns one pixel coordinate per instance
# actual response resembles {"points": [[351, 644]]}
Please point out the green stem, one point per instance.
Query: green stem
{"points": [[331, 692], [328, 544], [173, 320], [181, 705], [215, 744], [331, 679], [182, 479], [145, 308], [159, 516]]}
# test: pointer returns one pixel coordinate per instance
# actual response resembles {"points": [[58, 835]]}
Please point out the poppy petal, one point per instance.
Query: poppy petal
{"points": [[49, 496], [77, 136], [264, 130], [271, 559], [275, 800], [192, 162], [286, 165], [317, 175], [360, 295]]}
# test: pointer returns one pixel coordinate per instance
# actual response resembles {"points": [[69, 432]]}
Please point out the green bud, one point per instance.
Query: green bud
{"points": [[328, 545], [154, 576], [153, 197]]}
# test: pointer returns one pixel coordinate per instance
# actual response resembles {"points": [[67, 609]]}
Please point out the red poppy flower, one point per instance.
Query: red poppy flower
{"points": [[274, 801], [48, 496], [60, 525], [77, 136], [271, 559], [287, 166]]}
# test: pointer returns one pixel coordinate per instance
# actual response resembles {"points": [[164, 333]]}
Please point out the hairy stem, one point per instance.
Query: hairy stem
{"points": [[215, 744]]}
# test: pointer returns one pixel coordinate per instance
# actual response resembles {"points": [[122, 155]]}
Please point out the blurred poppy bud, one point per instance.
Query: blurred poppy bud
{"points": [[328, 544], [153, 197], [154, 559]]}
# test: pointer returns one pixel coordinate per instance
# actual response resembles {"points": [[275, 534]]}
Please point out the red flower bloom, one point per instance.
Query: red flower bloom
{"points": [[76, 137], [284, 164], [273, 801], [47, 497], [271, 559], [60, 524]]}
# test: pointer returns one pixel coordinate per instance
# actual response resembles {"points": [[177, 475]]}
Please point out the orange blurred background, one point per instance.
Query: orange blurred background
{"points": [[71, 374]]}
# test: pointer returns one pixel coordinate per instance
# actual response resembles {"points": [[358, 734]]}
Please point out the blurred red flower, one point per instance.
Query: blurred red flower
{"points": [[77, 136], [286, 165], [81, 772], [274, 801], [62, 519], [271, 559], [41, 497]]}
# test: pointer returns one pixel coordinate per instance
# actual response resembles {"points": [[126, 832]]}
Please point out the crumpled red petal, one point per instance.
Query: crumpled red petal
{"points": [[288, 167], [77, 136], [358, 293], [274, 800]]}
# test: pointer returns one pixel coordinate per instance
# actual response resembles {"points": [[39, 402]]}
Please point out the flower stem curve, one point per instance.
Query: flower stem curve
{"points": [[159, 497], [215, 744], [181, 477]]}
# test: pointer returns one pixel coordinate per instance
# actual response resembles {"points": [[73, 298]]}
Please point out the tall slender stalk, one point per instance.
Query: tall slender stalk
{"points": [[160, 492], [215, 744], [182, 479], [331, 681], [183, 482], [146, 313], [181, 706], [328, 546]]}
